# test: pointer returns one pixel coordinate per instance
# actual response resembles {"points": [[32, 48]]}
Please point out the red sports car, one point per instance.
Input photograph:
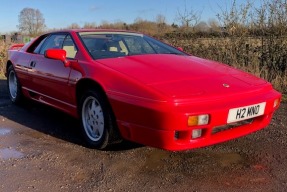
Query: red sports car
{"points": [[126, 85]]}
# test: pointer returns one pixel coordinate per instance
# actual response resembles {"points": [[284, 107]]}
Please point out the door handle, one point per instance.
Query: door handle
{"points": [[33, 64]]}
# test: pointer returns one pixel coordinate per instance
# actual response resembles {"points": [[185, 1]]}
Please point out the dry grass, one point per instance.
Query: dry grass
{"points": [[3, 57]]}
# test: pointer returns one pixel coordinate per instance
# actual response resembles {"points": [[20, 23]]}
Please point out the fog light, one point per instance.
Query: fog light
{"points": [[276, 103], [196, 133], [176, 134], [198, 120]]}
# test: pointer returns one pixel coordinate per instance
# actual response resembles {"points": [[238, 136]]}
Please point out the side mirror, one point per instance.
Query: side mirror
{"points": [[180, 48], [57, 54]]}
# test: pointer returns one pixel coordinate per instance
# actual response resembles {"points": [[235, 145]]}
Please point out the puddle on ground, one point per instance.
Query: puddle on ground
{"points": [[4, 131], [7, 153]]}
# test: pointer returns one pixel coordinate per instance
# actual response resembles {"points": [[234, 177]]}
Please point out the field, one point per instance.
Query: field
{"points": [[3, 57]]}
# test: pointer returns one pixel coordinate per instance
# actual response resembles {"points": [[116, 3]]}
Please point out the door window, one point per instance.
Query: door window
{"points": [[53, 42], [69, 47], [57, 41]]}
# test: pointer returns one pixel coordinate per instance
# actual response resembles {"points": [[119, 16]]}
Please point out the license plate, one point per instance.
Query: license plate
{"points": [[247, 112]]}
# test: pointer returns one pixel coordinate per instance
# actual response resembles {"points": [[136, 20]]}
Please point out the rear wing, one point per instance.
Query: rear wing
{"points": [[16, 47], [13, 49]]}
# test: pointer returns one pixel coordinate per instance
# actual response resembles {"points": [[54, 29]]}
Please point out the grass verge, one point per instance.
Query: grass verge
{"points": [[2, 77]]}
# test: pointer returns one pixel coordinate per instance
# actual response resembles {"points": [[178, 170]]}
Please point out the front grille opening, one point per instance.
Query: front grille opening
{"points": [[231, 126]]}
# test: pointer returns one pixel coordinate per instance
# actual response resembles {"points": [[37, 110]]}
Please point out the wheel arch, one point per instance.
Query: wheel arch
{"points": [[8, 64], [87, 84]]}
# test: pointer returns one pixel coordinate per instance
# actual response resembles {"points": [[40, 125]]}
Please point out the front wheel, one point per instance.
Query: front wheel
{"points": [[14, 87], [97, 120]]}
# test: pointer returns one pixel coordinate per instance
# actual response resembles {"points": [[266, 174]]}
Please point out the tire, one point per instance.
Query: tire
{"points": [[98, 124], [14, 86]]}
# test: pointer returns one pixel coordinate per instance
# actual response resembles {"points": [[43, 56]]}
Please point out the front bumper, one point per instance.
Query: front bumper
{"points": [[165, 126]]}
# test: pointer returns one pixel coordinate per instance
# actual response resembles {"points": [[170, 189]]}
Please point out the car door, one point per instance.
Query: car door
{"points": [[22, 63], [50, 77]]}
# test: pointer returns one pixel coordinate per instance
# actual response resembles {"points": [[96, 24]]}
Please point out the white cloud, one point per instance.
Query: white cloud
{"points": [[94, 8]]}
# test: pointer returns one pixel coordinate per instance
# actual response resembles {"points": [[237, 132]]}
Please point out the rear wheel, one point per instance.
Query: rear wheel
{"points": [[98, 124], [14, 86]]}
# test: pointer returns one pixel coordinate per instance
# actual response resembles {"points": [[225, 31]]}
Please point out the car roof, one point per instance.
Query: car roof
{"points": [[95, 30]]}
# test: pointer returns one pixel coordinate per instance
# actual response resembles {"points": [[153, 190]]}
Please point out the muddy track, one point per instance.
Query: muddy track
{"points": [[40, 150]]}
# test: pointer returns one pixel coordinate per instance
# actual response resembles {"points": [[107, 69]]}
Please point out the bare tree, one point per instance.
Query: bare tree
{"points": [[74, 26], [202, 26], [160, 19], [161, 23], [214, 25], [90, 26], [237, 18], [188, 17], [31, 21]]}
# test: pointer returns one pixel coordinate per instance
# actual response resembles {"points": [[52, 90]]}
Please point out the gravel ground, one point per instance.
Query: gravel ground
{"points": [[40, 150]]}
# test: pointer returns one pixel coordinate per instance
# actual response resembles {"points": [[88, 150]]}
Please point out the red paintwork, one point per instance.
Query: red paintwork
{"points": [[57, 54], [150, 95]]}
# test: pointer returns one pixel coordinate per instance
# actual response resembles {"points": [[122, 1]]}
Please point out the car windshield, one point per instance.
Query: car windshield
{"points": [[119, 44]]}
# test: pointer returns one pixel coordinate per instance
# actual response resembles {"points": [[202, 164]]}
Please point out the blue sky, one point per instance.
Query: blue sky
{"points": [[62, 13]]}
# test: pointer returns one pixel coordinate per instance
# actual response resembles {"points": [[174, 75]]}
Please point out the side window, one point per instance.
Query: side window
{"points": [[36, 44], [69, 47], [37, 49], [52, 42]]}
